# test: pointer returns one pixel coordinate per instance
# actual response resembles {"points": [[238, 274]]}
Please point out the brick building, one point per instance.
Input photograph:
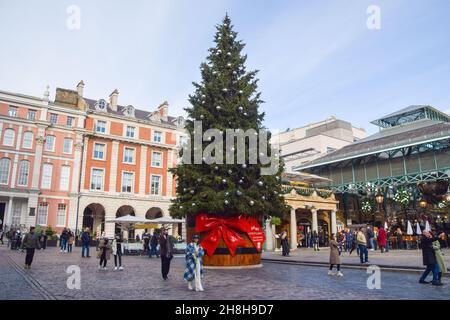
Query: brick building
{"points": [[76, 162]]}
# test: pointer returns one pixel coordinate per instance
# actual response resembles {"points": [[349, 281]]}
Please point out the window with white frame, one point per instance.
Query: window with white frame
{"points": [[31, 115], [156, 159], [61, 215], [28, 140], [42, 214], [17, 213], [100, 126], [64, 178], [67, 147], [70, 121], [155, 185], [46, 181], [12, 111], [99, 151], [8, 137], [53, 118], [128, 155], [157, 136], [130, 132], [97, 179], [127, 182], [4, 170], [24, 171], [50, 143]]}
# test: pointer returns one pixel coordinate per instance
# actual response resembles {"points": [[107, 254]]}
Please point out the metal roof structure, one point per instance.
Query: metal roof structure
{"points": [[411, 114]]}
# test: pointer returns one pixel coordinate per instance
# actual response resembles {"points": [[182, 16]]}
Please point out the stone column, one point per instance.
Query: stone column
{"points": [[293, 225], [333, 222], [314, 220], [8, 219], [269, 237]]}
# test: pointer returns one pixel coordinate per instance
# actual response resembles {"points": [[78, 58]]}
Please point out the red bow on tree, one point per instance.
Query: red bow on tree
{"points": [[221, 228]]}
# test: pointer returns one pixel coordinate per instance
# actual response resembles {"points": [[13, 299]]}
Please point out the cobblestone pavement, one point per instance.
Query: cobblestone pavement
{"points": [[393, 258], [141, 279]]}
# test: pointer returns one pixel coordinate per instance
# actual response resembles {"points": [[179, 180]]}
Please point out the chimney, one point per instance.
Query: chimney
{"points": [[80, 88], [113, 97], [163, 110]]}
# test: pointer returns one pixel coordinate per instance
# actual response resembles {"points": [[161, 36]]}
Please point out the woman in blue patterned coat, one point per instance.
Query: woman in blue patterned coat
{"points": [[194, 264]]}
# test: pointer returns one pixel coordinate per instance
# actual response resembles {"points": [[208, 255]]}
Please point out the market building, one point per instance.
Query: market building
{"points": [[88, 160], [398, 174]]}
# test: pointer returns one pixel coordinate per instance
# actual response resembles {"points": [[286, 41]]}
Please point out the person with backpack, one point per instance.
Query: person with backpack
{"points": [[30, 244], [85, 243]]}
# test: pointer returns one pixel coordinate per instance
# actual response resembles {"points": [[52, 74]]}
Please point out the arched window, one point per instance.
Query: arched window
{"points": [[8, 137], [28, 140], [24, 170], [4, 170], [101, 105]]}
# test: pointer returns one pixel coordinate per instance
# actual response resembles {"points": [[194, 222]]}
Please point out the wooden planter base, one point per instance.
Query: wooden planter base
{"points": [[244, 256]]}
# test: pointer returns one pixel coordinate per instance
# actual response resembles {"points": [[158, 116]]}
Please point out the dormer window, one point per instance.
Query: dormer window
{"points": [[155, 116], [101, 105], [129, 111], [180, 121]]}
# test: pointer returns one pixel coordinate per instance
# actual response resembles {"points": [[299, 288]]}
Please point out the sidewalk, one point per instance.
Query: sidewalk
{"points": [[401, 260]]}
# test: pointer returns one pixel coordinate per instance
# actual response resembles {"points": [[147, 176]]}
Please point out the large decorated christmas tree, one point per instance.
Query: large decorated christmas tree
{"points": [[225, 185]]}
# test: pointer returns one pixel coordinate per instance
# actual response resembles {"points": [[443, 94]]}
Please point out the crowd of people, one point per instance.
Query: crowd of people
{"points": [[160, 245]]}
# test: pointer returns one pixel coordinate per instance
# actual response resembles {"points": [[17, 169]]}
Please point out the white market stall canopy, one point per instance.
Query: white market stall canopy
{"points": [[167, 220], [128, 221]]}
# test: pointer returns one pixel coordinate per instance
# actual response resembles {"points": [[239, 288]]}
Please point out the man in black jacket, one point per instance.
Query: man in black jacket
{"points": [[166, 252], [429, 258], [30, 244]]}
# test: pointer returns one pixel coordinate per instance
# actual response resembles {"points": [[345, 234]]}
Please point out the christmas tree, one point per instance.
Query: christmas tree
{"points": [[225, 99]]}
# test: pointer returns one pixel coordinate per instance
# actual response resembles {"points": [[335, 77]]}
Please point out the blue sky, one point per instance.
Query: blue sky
{"points": [[316, 58]]}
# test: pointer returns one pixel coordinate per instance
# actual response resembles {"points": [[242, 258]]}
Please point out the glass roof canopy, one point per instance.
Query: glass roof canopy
{"points": [[410, 114]]}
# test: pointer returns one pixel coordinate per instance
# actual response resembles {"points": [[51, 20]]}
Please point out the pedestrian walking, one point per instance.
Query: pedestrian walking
{"points": [[166, 252], [63, 238], [429, 258], [70, 240], [85, 243], [104, 252], [146, 241], [335, 252], [370, 236], [30, 244], [194, 264], [399, 235], [117, 251], [315, 239], [439, 257], [308, 239], [43, 239], [1, 235], [154, 245], [284, 244], [382, 239], [362, 246], [348, 240]]}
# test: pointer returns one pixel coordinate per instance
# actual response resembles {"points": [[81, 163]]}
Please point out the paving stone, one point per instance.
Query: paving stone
{"points": [[141, 279]]}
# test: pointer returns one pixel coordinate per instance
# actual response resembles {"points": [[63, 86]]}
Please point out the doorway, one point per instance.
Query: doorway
{"points": [[2, 214]]}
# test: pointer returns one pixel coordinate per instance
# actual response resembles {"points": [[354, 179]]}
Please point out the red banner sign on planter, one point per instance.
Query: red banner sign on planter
{"points": [[255, 233]]}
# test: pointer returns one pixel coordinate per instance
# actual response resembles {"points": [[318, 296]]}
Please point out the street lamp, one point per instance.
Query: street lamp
{"points": [[423, 203], [447, 197], [379, 198]]}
